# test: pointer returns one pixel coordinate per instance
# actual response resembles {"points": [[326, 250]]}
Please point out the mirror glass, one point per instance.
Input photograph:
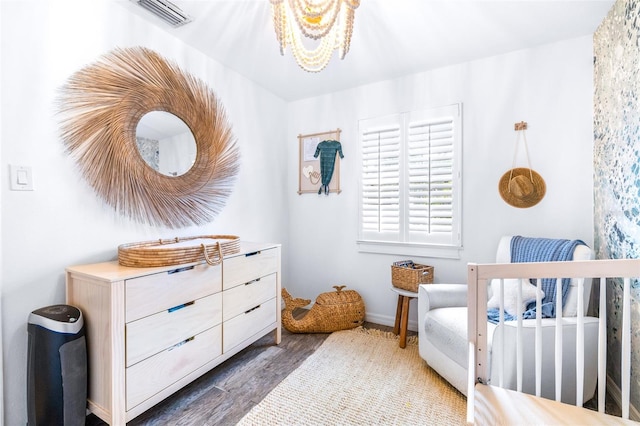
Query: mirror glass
{"points": [[166, 143]]}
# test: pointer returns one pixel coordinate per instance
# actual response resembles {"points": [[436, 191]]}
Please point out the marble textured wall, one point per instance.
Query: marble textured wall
{"points": [[617, 166]]}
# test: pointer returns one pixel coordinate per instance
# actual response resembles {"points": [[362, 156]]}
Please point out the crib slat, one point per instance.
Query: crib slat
{"points": [[580, 346], [558, 341], [625, 369], [501, 328], [602, 345], [538, 339], [519, 344], [474, 323], [471, 381]]}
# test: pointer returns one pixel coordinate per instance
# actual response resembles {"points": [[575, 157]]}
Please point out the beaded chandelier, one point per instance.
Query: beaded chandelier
{"points": [[329, 23]]}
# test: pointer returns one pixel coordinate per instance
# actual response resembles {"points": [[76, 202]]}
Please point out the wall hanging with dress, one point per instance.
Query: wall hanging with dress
{"points": [[319, 170]]}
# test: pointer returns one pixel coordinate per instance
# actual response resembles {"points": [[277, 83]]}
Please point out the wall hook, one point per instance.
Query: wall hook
{"points": [[520, 126]]}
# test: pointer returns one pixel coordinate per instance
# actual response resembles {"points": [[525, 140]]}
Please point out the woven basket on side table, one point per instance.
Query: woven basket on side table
{"points": [[410, 278]]}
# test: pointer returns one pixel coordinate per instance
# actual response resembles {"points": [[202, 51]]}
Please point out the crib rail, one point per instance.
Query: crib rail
{"points": [[479, 275]]}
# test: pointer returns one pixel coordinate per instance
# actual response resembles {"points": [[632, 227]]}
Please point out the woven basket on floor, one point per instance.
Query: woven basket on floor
{"points": [[333, 311], [209, 248], [410, 278]]}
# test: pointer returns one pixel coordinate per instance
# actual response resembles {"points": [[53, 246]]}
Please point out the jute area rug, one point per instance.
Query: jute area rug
{"points": [[361, 377]]}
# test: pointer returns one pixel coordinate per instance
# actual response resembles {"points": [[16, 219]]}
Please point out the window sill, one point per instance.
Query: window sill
{"points": [[408, 249]]}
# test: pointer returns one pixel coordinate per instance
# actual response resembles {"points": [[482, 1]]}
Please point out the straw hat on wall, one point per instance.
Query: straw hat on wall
{"points": [[522, 187]]}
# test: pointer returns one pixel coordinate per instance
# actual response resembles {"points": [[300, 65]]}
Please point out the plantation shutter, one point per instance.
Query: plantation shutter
{"points": [[410, 186], [380, 180], [430, 169]]}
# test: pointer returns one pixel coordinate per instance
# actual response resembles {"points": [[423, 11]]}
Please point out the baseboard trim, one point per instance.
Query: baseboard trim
{"points": [[389, 321], [616, 395]]}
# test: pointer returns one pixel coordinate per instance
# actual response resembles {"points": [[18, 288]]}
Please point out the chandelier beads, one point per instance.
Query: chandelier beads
{"points": [[329, 23]]}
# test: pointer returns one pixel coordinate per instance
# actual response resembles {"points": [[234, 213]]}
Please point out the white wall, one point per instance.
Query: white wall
{"points": [[62, 222], [550, 87]]}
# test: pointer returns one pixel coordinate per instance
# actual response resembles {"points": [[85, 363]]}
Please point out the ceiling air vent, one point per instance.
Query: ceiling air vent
{"points": [[167, 11]]}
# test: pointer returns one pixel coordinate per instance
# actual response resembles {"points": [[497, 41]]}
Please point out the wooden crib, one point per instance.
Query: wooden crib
{"points": [[489, 403]]}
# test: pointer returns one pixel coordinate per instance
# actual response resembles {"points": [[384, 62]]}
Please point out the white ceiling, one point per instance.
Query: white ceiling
{"points": [[391, 38]]}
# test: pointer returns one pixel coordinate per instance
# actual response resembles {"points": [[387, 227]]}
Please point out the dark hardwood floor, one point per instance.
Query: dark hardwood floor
{"points": [[226, 393]]}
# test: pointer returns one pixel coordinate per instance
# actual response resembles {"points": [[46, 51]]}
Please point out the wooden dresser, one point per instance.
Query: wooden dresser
{"points": [[151, 331]]}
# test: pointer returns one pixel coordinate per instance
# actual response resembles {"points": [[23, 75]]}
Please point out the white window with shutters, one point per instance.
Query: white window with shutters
{"points": [[410, 184]]}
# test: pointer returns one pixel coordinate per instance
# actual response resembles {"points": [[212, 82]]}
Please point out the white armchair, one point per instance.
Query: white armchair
{"points": [[443, 344]]}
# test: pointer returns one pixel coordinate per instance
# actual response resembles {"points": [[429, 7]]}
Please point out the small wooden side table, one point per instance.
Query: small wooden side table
{"points": [[402, 314]]}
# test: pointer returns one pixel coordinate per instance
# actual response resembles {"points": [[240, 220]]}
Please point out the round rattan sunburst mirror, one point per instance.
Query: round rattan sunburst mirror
{"points": [[100, 107]]}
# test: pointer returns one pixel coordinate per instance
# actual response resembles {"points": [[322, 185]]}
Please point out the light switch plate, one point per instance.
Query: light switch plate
{"points": [[21, 178]]}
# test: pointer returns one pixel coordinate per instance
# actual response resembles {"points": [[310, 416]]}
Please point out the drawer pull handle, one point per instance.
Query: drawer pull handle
{"points": [[184, 342], [184, 305], [175, 271], [252, 309], [252, 254], [252, 281]]}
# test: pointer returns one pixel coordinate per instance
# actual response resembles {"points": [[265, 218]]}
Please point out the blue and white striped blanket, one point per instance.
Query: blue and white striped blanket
{"points": [[525, 249]]}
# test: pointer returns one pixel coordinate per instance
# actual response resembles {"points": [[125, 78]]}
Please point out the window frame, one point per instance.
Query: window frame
{"points": [[402, 241]]}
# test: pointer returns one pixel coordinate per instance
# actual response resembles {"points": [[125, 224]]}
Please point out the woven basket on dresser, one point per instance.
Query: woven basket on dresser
{"points": [[410, 278], [177, 251]]}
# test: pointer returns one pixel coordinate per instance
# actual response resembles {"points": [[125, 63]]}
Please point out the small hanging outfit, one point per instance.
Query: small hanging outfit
{"points": [[327, 152]]}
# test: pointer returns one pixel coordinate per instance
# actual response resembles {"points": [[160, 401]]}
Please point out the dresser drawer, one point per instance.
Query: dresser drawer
{"points": [[146, 378], [248, 323], [244, 268], [150, 335], [150, 294], [243, 297]]}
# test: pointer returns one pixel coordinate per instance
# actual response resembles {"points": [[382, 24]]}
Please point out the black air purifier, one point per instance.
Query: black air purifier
{"points": [[57, 367]]}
